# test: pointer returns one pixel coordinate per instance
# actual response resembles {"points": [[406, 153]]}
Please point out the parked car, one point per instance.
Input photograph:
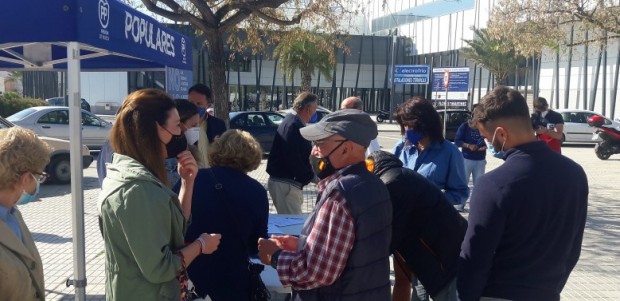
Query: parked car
{"points": [[64, 102], [320, 112], [262, 125], [59, 167], [54, 122], [456, 117], [576, 128]]}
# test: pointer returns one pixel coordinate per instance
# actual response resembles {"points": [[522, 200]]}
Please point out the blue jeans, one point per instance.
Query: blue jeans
{"points": [[474, 169]]}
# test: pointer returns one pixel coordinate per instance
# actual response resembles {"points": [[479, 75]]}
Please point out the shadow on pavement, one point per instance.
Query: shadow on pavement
{"points": [[49, 238], [602, 236], [53, 190]]}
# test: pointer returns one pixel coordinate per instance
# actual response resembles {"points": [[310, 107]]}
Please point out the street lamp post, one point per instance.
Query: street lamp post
{"points": [[392, 90]]}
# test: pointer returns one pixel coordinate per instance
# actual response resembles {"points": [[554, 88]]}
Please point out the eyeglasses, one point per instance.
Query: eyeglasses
{"points": [[320, 143], [40, 177]]}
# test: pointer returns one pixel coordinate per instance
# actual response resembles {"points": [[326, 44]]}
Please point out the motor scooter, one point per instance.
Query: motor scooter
{"points": [[609, 138], [382, 116]]}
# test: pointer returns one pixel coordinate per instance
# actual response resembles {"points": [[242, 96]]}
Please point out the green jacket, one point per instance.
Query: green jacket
{"points": [[143, 226]]}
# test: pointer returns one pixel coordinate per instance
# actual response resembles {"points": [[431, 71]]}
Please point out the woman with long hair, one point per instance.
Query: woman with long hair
{"points": [[143, 221]]}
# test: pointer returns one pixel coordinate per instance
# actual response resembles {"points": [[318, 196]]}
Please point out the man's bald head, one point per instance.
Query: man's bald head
{"points": [[352, 102]]}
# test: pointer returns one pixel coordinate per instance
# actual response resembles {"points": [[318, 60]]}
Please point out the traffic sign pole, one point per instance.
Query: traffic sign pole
{"points": [[446, 84]]}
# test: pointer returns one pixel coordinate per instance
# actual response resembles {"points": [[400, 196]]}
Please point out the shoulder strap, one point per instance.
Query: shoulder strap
{"points": [[219, 190]]}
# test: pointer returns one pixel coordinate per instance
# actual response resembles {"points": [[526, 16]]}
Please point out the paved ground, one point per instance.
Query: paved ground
{"points": [[596, 277]]}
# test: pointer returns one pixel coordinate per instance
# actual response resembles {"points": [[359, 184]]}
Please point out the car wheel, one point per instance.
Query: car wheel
{"points": [[59, 169], [563, 139]]}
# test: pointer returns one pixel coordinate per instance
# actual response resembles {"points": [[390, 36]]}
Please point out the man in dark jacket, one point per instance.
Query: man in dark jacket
{"points": [[527, 216], [288, 164], [202, 97], [426, 230]]}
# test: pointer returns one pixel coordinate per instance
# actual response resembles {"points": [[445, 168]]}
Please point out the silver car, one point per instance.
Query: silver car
{"points": [[54, 122], [59, 167], [576, 128]]}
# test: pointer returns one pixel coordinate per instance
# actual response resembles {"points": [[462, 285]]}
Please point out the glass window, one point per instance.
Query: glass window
{"points": [[55, 117], [256, 120], [275, 118], [240, 121], [20, 115], [455, 119], [91, 120]]}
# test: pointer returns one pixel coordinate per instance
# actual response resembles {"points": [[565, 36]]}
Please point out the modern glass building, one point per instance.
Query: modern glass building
{"points": [[582, 77]]}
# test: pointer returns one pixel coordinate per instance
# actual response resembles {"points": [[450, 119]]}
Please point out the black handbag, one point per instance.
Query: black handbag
{"points": [[258, 290]]}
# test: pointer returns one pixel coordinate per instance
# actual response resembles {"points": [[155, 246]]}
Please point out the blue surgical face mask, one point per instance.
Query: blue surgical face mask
{"points": [[496, 153], [27, 197], [202, 112], [491, 149], [413, 136]]}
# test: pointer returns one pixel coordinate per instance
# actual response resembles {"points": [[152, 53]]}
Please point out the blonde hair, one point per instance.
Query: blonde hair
{"points": [[203, 145], [236, 149], [20, 151]]}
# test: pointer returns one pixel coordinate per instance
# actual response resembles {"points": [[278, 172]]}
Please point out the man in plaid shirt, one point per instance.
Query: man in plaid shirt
{"points": [[342, 252]]}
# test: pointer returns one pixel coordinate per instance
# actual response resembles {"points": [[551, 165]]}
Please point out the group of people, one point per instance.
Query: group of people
{"points": [[205, 217], [519, 243]]}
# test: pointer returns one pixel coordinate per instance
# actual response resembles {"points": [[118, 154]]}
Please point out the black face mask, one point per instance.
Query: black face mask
{"points": [[322, 167], [177, 145]]}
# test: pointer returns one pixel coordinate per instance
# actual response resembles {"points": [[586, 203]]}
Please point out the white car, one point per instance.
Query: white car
{"points": [[576, 128], [59, 167], [53, 121]]}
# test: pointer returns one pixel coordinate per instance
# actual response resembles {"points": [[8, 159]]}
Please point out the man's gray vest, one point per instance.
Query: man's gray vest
{"points": [[366, 275]]}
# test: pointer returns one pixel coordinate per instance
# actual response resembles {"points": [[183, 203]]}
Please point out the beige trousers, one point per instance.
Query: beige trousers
{"points": [[286, 197]]}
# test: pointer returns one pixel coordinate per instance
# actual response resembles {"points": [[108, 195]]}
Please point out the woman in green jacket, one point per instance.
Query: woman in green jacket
{"points": [[143, 221]]}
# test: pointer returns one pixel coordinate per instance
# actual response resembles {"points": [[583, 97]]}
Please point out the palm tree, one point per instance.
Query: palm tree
{"points": [[305, 51], [497, 56]]}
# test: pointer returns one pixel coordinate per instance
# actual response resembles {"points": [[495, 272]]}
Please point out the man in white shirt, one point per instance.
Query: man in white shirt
{"points": [[354, 102]]}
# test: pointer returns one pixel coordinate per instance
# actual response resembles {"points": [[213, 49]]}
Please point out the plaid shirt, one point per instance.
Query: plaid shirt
{"points": [[327, 248]]}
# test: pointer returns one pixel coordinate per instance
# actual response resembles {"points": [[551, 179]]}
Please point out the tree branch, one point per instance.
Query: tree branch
{"points": [[224, 10], [205, 11], [235, 19], [295, 20], [150, 5], [180, 15]]}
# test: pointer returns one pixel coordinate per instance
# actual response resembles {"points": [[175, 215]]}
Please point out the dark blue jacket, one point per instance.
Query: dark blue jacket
{"points": [[525, 228], [290, 152], [465, 134], [366, 274], [426, 229], [224, 274]]}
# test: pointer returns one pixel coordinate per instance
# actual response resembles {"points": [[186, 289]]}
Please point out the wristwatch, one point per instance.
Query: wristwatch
{"points": [[274, 259]]}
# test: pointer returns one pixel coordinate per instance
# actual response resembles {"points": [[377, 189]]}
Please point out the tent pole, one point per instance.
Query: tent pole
{"points": [[77, 194]]}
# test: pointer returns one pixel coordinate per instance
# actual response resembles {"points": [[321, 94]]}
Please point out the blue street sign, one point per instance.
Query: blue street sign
{"points": [[411, 74], [457, 93]]}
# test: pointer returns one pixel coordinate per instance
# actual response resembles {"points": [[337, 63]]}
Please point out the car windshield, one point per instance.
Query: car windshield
{"points": [[20, 115]]}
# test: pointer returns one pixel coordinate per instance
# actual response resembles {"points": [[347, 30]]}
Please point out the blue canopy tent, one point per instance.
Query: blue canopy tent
{"points": [[93, 35]]}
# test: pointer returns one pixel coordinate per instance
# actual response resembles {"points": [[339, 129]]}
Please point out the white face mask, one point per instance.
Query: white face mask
{"points": [[192, 135]]}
